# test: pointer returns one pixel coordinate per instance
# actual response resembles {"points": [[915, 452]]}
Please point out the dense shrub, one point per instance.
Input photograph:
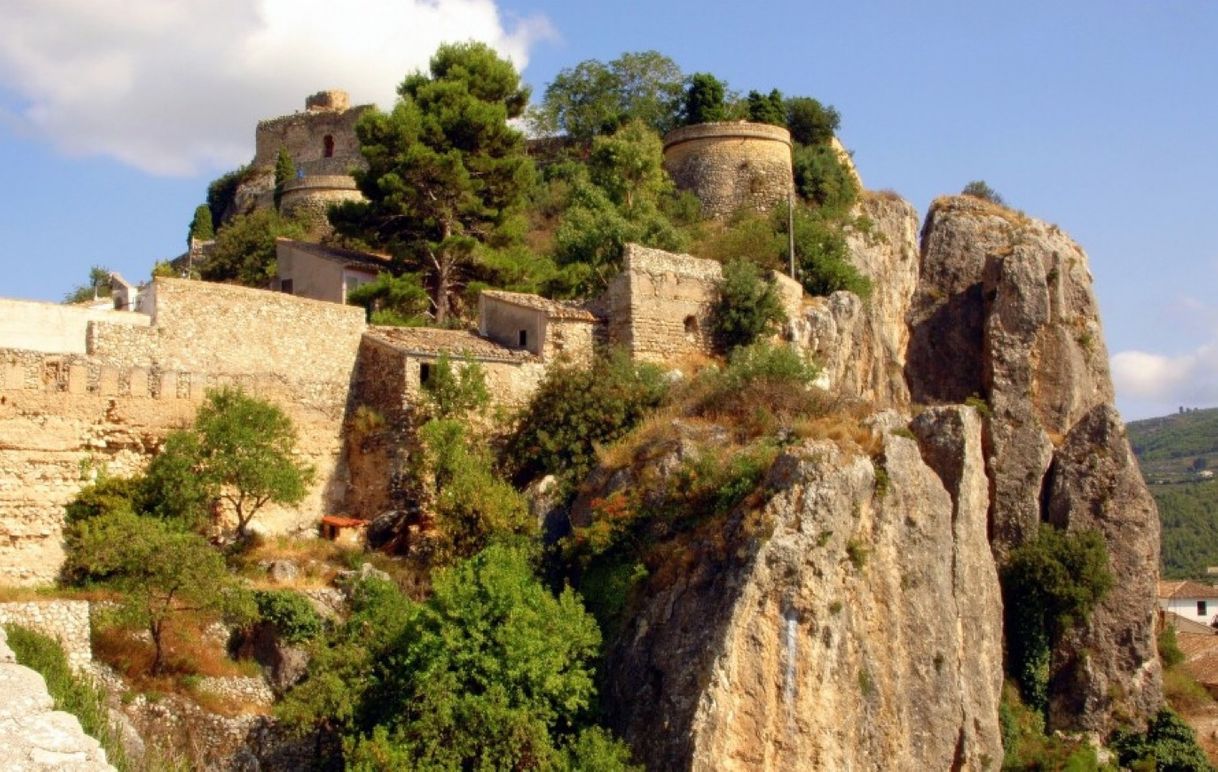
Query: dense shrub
{"points": [[704, 99], [747, 307], [577, 408], [1049, 585], [396, 301], [980, 189], [822, 257], [822, 178], [472, 505], [810, 122], [71, 693], [1168, 745], [292, 615], [762, 386], [455, 392]]}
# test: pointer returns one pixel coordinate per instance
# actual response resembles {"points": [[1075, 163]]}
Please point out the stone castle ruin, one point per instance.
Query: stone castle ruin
{"points": [[84, 392], [732, 165], [324, 148]]}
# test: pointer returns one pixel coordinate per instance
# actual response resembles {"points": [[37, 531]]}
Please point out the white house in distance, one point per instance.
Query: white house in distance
{"points": [[1194, 601]]}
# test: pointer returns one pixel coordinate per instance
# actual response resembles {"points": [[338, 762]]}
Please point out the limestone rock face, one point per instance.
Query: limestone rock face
{"points": [[1108, 667], [859, 344], [32, 735], [859, 629], [1004, 311]]}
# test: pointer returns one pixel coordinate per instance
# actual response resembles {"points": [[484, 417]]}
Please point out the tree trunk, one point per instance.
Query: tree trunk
{"points": [[154, 630]]}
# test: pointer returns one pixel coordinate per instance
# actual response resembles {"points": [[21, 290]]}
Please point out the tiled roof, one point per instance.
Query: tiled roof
{"points": [[1200, 656], [1186, 589], [554, 309], [339, 521], [431, 341], [1186, 625], [337, 254]]}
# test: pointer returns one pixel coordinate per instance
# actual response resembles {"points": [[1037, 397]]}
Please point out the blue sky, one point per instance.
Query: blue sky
{"points": [[1098, 116]]}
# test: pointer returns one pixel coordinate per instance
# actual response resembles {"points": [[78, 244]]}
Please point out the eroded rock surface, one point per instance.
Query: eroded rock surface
{"points": [[33, 736], [861, 344], [858, 628], [1005, 312]]}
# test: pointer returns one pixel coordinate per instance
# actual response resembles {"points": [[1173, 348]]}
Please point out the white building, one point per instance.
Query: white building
{"points": [[1191, 600]]}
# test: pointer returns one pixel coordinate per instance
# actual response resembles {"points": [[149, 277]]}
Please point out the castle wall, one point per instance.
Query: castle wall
{"points": [[65, 416], [660, 305], [67, 621], [731, 166], [54, 327], [502, 323], [310, 198], [574, 341], [303, 134]]}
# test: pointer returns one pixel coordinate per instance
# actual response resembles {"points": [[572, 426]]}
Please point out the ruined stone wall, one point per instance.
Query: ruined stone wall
{"points": [[569, 340], [502, 323], [309, 199], [65, 416], [731, 166], [303, 134], [54, 327], [660, 305], [67, 621]]}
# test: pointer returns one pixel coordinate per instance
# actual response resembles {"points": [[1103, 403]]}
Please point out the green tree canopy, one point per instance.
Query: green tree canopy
{"points": [[767, 108], [446, 174], [747, 307], [97, 286], [285, 172], [704, 99], [201, 226], [981, 189], [161, 573], [400, 301], [245, 248], [810, 122], [593, 98]]}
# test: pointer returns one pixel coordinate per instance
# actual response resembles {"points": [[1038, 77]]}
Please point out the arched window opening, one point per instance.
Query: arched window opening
{"points": [[328, 143], [691, 328]]}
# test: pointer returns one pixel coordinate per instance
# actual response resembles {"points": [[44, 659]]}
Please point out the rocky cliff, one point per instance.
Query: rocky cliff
{"points": [[860, 626], [861, 633]]}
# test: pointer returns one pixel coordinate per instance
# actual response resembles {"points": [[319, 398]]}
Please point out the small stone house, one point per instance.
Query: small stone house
{"points": [[547, 328], [344, 530], [1191, 600], [323, 273]]}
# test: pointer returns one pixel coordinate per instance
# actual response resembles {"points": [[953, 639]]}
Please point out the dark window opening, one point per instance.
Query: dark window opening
{"points": [[328, 142], [691, 327], [524, 338], [1200, 608], [285, 285], [424, 373]]}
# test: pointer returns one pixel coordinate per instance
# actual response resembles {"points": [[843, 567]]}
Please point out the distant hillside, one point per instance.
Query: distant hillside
{"points": [[1177, 454]]}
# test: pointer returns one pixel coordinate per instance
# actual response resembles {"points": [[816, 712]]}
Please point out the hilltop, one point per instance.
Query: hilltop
{"points": [[1175, 453]]}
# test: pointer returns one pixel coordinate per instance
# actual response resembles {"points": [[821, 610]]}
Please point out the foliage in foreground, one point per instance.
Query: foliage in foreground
{"points": [[71, 693], [577, 408], [1168, 745], [1049, 585], [1026, 746], [244, 252], [492, 671], [160, 574], [747, 307]]}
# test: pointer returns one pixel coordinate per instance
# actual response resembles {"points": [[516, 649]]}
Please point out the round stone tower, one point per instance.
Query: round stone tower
{"points": [[333, 100], [731, 166]]}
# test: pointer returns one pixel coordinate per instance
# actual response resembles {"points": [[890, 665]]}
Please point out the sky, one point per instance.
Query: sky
{"points": [[1097, 115]]}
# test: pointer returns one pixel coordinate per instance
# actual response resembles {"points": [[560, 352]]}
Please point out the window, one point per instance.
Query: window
{"points": [[285, 285], [691, 328], [1201, 608], [424, 373], [524, 338], [328, 146]]}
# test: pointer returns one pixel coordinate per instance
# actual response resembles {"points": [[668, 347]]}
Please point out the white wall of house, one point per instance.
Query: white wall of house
{"points": [[1201, 610]]}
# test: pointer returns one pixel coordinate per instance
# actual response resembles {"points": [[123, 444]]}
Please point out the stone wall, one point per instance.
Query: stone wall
{"points": [[310, 198], [54, 327], [67, 621], [66, 416], [659, 306], [569, 340], [731, 166], [303, 135]]}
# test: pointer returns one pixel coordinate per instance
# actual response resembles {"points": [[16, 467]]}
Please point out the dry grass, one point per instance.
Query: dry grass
{"points": [[35, 594], [319, 561], [844, 430], [982, 206]]}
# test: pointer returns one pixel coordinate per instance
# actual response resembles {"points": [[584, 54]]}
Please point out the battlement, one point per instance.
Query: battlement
{"points": [[335, 100], [731, 166]]}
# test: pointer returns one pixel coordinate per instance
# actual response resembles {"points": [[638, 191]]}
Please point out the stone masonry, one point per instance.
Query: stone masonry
{"points": [[67, 621], [731, 166]]}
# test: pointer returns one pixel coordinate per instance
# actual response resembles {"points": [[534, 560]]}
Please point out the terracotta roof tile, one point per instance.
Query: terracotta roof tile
{"points": [[431, 341], [339, 521], [554, 309], [338, 254], [1186, 589]]}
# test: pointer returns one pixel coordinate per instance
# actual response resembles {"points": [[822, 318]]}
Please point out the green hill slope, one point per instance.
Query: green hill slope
{"points": [[1176, 453]]}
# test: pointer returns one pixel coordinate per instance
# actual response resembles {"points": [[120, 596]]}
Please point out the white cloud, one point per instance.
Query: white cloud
{"points": [[177, 86], [1157, 384]]}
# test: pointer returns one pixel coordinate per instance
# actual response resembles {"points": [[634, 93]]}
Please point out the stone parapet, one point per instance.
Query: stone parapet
{"points": [[67, 621], [731, 166]]}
